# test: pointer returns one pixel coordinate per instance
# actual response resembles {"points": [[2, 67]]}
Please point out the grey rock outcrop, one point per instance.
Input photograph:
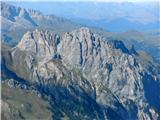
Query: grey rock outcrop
{"points": [[84, 67], [107, 64], [40, 43]]}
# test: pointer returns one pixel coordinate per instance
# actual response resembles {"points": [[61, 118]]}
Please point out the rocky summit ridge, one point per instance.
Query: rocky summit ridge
{"points": [[84, 75]]}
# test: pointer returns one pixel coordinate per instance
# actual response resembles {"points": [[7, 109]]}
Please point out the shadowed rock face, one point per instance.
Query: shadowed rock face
{"points": [[84, 74]]}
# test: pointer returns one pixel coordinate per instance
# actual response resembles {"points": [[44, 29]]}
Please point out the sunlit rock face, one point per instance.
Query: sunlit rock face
{"points": [[83, 68], [42, 43], [101, 61]]}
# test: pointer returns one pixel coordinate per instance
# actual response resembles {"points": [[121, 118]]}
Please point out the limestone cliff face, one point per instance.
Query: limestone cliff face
{"points": [[41, 43], [107, 64], [86, 67], [104, 62]]}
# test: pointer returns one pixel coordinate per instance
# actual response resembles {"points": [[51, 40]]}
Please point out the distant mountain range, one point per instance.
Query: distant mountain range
{"points": [[112, 16], [16, 21], [118, 25]]}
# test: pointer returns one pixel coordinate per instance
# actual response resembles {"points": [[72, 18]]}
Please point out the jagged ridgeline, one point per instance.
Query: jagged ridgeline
{"points": [[16, 21], [78, 75]]}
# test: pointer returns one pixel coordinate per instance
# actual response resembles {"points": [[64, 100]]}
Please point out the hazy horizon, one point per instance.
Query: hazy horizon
{"points": [[143, 13]]}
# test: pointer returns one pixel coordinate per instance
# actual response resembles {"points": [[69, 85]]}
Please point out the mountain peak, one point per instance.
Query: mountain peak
{"points": [[40, 42], [84, 29]]}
